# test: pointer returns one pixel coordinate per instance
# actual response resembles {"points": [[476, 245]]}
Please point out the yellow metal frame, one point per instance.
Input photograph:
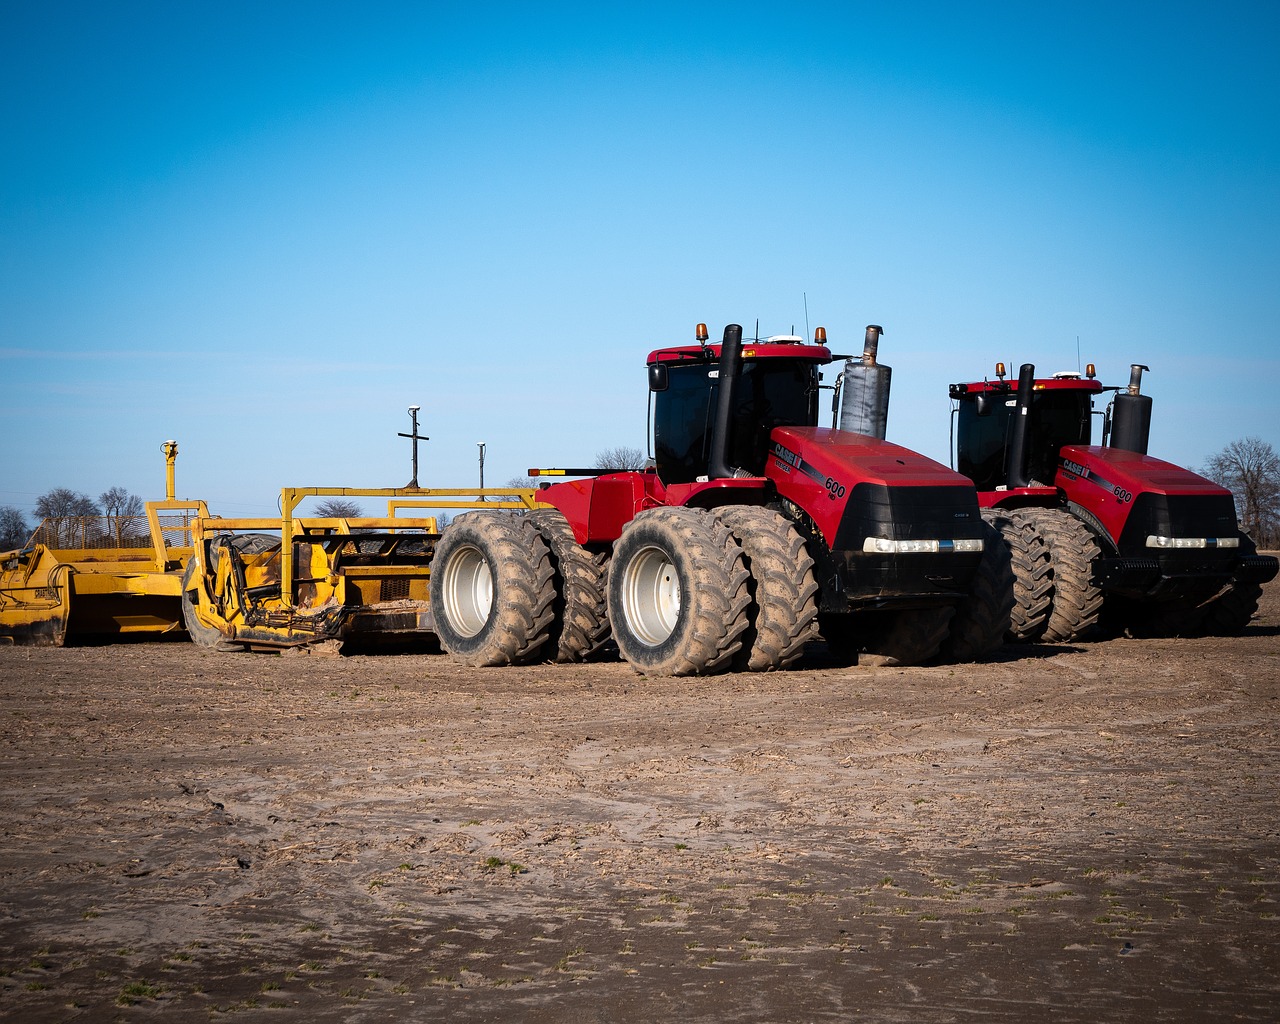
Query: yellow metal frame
{"points": [[292, 527], [166, 557]]}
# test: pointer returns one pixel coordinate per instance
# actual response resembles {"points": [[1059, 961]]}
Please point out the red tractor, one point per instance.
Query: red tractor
{"points": [[752, 529], [1101, 535]]}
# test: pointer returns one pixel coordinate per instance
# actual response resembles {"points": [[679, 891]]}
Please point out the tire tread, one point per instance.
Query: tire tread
{"points": [[783, 613]]}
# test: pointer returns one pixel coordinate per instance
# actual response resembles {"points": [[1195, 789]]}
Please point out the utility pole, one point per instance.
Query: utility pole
{"points": [[413, 412], [480, 445]]}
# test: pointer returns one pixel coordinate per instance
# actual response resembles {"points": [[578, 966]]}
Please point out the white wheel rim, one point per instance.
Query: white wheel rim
{"points": [[467, 591], [651, 596]]}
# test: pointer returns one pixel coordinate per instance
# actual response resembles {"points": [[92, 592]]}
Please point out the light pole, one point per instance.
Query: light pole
{"points": [[480, 445], [413, 412]]}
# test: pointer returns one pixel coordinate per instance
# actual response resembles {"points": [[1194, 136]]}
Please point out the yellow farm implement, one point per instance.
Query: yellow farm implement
{"points": [[100, 576], [235, 584], [269, 584]]}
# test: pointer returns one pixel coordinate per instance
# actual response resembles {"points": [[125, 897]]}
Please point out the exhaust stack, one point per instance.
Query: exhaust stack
{"points": [[865, 390], [1131, 420], [718, 466], [1021, 429]]}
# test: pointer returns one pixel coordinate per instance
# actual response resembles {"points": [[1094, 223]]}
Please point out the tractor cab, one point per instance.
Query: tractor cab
{"points": [[776, 385], [991, 447]]}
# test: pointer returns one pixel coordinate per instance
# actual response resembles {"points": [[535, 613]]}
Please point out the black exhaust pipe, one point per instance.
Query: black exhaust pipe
{"points": [[1131, 425], [730, 370], [1020, 429]]}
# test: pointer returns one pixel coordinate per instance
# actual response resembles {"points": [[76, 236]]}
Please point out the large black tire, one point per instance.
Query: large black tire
{"points": [[908, 637], [1126, 616], [1032, 573], [1231, 611], [844, 636], [492, 589], [581, 624], [201, 635], [783, 614], [1073, 550], [678, 593], [981, 622]]}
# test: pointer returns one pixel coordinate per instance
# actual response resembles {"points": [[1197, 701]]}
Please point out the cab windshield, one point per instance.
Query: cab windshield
{"points": [[1058, 418], [770, 393]]}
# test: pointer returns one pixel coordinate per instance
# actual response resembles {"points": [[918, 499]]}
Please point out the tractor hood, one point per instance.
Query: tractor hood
{"points": [[1128, 495], [856, 487]]}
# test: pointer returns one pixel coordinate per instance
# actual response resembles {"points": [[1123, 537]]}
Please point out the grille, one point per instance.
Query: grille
{"points": [[395, 589], [94, 532]]}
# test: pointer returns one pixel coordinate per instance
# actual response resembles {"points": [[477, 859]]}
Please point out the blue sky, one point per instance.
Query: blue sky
{"points": [[266, 230]]}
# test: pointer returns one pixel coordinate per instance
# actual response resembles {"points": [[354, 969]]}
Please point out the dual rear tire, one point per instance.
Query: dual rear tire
{"points": [[783, 613], [1052, 557], [981, 623], [678, 593], [492, 589]]}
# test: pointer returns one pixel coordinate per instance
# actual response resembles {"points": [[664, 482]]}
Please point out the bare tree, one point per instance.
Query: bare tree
{"points": [[339, 508], [1251, 469], [14, 531], [62, 501], [71, 513], [124, 513], [621, 457]]}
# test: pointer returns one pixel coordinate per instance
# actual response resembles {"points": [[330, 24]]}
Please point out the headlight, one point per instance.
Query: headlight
{"points": [[1155, 541], [884, 546]]}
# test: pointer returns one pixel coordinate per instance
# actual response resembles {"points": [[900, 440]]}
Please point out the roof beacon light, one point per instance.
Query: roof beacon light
{"points": [[702, 335], [1090, 370], [819, 335], [1000, 370]]}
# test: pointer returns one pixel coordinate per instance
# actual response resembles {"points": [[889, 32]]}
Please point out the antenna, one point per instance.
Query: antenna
{"points": [[1078, 354], [413, 411], [806, 313]]}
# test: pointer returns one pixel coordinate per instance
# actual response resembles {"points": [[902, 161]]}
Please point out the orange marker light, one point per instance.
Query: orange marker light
{"points": [[1000, 370], [702, 333], [819, 335], [1090, 371]]}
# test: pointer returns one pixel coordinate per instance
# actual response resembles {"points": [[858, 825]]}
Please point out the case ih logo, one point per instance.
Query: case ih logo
{"points": [[1089, 476], [786, 454], [789, 460]]}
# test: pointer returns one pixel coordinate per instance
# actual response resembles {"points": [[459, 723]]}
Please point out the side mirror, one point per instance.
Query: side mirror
{"points": [[982, 403], [659, 380]]}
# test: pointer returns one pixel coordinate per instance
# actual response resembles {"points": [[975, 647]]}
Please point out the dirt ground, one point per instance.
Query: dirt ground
{"points": [[1068, 833]]}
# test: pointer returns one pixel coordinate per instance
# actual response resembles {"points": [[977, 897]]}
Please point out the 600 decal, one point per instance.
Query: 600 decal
{"points": [[835, 489]]}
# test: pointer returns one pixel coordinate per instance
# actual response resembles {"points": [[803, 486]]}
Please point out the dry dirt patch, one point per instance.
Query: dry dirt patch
{"points": [[1072, 833]]}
